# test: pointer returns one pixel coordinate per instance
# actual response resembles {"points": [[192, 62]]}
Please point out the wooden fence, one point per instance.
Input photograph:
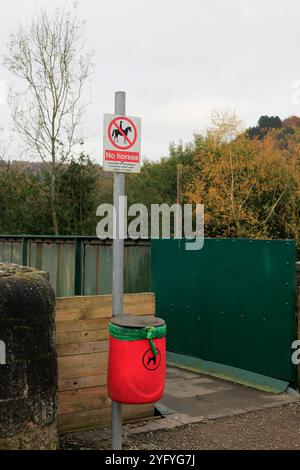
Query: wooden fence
{"points": [[82, 348]]}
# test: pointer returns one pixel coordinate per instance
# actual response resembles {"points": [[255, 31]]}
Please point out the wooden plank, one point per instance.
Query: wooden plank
{"points": [[81, 382], [67, 303], [132, 412], [84, 399], [84, 361], [83, 336], [81, 348], [83, 404], [76, 372], [139, 304], [84, 393], [82, 366], [82, 301], [83, 420], [101, 417], [83, 308], [81, 325], [83, 313], [102, 311]]}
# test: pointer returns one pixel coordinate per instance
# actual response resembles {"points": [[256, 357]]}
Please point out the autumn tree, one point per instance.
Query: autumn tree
{"points": [[292, 121], [249, 187], [224, 126], [48, 59], [264, 125]]}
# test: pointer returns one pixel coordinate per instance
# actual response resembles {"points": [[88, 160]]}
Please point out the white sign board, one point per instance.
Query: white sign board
{"points": [[122, 144]]}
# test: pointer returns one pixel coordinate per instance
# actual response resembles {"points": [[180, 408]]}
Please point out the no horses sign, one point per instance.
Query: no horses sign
{"points": [[122, 144]]}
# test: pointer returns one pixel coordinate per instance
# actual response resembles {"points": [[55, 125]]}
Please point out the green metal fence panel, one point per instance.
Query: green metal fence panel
{"points": [[11, 252], [98, 269], [65, 281], [90, 269], [57, 258], [105, 271], [233, 302], [137, 275], [79, 265]]}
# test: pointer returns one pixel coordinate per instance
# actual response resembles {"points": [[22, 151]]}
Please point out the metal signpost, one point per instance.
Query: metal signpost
{"points": [[121, 154]]}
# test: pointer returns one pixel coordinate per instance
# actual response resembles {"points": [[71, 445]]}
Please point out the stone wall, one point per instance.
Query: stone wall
{"points": [[28, 379]]}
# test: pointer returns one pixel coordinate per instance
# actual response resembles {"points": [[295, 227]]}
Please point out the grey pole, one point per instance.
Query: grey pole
{"points": [[118, 274]]}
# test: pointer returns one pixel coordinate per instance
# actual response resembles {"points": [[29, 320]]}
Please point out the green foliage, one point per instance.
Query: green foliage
{"points": [[23, 202], [157, 183], [269, 122], [77, 196], [25, 198], [265, 123], [250, 187]]}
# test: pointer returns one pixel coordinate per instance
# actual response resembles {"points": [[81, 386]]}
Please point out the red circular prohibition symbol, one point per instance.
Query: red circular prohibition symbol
{"points": [[129, 141]]}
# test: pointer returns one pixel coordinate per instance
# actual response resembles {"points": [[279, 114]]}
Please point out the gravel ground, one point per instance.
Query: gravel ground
{"points": [[272, 428]]}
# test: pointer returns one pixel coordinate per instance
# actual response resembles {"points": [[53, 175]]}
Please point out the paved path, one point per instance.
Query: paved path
{"points": [[192, 398]]}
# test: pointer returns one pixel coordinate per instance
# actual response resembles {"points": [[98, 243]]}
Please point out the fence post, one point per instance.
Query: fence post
{"points": [[79, 251], [24, 251]]}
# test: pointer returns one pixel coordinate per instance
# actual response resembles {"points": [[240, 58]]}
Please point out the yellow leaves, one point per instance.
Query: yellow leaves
{"points": [[248, 187], [225, 126]]}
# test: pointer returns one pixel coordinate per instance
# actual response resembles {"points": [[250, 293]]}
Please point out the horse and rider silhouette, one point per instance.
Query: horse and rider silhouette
{"points": [[116, 133]]}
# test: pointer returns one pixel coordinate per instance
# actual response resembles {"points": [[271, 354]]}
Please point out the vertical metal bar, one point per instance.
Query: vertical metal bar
{"points": [[178, 228], [24, 251], [179, 183], [78, 266], [118, 248], [118, 273]]}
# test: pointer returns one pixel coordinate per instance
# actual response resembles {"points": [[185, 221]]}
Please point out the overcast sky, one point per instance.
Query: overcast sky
{"points": [[178, 60]]}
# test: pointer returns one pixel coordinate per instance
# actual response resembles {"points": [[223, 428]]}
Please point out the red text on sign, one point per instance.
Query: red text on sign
{"points": [[116, 156]]}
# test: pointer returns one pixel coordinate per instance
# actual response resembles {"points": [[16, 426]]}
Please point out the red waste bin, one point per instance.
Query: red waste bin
{"points": [[137, 359]]}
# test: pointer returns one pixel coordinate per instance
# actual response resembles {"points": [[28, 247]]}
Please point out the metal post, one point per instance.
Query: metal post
{"points": [[178, 227], [118, 274], [78, 266], [24, 251]]}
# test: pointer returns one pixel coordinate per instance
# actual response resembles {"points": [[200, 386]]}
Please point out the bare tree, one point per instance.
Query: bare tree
{"points": [[48, 56]]}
